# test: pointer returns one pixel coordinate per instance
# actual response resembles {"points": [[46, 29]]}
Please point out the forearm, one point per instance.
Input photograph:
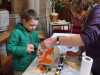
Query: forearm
{"points": [[17, 50], [72, 40]]}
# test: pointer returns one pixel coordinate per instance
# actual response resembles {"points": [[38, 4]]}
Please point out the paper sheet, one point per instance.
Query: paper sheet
{"points": [[63, 49]]}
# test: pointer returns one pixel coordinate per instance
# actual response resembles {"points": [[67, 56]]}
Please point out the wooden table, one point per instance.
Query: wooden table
{"points": [[4, 36]]}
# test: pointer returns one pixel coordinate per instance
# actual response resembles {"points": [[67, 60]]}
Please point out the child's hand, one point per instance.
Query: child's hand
{"points": [[30, 48]]}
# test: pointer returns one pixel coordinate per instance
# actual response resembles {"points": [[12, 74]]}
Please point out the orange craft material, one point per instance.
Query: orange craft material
{"points": [[42, 68], [46, 57]]}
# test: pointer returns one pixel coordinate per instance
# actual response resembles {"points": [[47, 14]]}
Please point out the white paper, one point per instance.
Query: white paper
{"points": [[86, 65], [69, 71], [64, 49]]}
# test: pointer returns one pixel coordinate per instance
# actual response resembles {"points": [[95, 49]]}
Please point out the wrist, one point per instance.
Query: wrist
{"points": [[57, 39]]}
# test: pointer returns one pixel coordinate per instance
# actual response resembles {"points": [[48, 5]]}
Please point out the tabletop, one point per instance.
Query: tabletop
{"points": [[70, 68], [71, 65], [32, 70]]}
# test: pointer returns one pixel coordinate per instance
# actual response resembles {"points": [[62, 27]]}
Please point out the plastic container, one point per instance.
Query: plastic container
{"points": [[4, 19]]}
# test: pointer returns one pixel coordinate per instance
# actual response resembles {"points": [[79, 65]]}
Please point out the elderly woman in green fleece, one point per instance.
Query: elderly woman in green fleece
{"points": [[23, 40]]}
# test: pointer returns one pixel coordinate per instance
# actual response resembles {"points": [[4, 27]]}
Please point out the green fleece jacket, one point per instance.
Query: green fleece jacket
{"points": [[17, 46]]}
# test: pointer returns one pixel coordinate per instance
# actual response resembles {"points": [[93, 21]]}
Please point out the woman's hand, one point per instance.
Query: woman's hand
{"points": [[49, 42]]}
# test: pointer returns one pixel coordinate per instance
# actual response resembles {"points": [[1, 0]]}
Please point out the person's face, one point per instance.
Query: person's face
{"points": [[31, 24]]}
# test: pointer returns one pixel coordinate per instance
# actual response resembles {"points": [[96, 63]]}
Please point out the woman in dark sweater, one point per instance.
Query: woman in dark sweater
{"points": [[90, 38]]}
